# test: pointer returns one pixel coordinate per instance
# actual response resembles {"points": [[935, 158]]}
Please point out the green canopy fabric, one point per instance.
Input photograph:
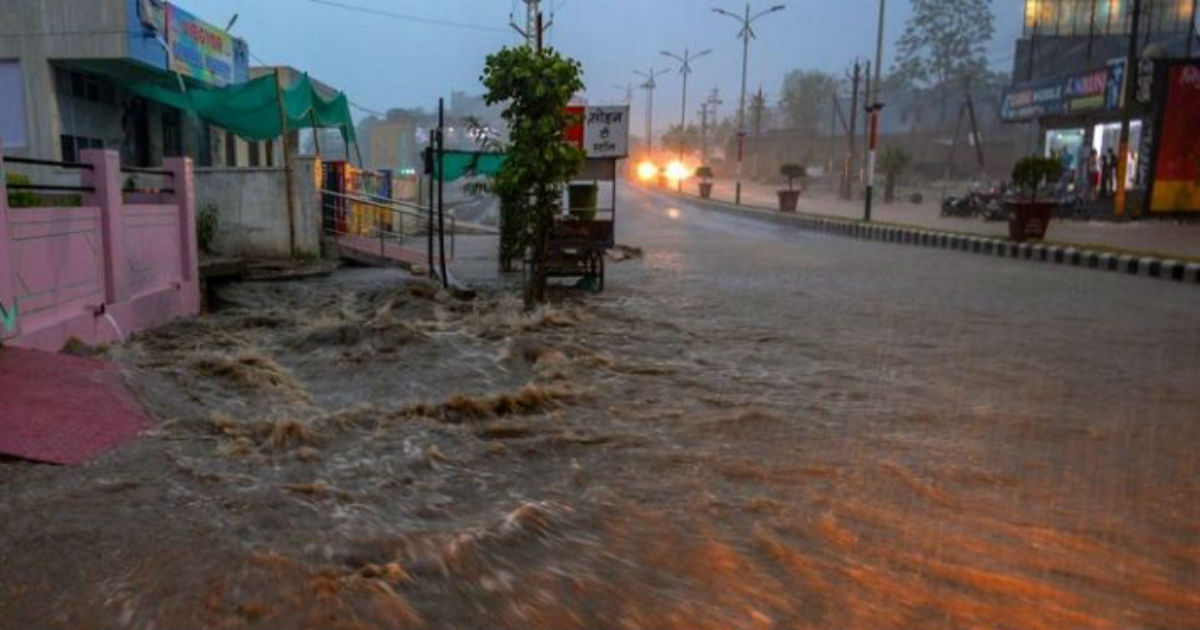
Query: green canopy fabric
{"points": [[251, 109], [457, 164]]}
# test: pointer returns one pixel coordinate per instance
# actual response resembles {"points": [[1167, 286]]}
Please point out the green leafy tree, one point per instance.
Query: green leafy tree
{"points": [[943, 42], [534, 88], [807, 95]]}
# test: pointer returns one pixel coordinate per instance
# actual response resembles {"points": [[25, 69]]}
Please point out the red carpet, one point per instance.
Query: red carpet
{"points": [[62, 409]]}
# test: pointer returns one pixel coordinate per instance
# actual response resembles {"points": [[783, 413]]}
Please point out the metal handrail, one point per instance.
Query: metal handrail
{"points": [[147, 171], [87, 189], [403, 209], [36, 162]]}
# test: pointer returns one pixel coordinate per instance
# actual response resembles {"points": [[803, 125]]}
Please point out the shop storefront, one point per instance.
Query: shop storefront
{"points": [[1080, 121]]}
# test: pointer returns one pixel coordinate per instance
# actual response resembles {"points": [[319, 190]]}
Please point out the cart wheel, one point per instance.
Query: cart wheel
{"points": [[600, 272]]}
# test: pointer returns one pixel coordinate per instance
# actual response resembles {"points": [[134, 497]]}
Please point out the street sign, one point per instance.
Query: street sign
{"points": [[606, 132]]}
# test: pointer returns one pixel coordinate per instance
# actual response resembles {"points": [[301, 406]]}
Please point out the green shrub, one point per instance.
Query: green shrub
{"points": [[793, 172], [1030, 173], [705, 173], [19, 198], [207, 221]]}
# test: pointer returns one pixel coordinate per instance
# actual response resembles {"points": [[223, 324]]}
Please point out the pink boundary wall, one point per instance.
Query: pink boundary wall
{"points": [[102, 271]]}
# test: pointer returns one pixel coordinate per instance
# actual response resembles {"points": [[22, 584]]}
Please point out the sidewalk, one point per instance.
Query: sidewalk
{"points": [[1158, 238]]}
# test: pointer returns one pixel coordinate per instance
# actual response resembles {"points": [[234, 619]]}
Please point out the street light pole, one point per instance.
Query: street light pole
{"points": [[874, 105], [649, 86], [685, 68], [747, 33]]}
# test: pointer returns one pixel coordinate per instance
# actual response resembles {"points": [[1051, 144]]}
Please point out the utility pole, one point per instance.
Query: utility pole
{"points": [[746, 33], [708, 109], [649, 86], [685, 68], [1131, 66], [534, 29], [876, 106], [974, 129], [866, 139], [852, 136]]}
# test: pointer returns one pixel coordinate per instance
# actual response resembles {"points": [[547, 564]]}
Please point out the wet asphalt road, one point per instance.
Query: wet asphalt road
{"points": [[754, 426]]}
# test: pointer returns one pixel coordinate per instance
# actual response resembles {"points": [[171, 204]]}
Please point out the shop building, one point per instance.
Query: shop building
{"points": [[1070, 73], [66, 67]]}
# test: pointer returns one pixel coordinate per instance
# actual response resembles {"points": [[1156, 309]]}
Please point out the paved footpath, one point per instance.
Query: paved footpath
{"points": [[1156, 238]]}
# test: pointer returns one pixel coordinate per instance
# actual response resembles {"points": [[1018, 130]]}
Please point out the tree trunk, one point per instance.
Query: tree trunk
{"points": [[889, 190]]}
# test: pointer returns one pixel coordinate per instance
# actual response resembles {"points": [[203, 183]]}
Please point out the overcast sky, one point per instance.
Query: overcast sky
{"points": [[384, 62]]}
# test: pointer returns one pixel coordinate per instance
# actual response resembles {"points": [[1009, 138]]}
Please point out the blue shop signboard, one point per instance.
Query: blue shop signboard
{"points": [[1095, 90]]}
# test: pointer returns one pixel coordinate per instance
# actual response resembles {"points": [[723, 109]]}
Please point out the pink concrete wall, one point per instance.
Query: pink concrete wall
{"points": [[102, 271]]}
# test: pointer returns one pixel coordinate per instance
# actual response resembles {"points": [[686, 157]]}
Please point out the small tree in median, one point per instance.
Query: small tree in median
{"points": [[893, 161], [535, 88]]}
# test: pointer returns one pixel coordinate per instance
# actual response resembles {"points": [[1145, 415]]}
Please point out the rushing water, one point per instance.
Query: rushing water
{"points": [[360, 451]]}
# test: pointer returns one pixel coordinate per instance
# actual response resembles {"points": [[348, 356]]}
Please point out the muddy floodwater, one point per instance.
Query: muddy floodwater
{"points": [[748, 430]]}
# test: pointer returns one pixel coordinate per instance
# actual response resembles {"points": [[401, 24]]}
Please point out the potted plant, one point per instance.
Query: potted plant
{"points": [[581, 201], [705, 174], [1029, 217], [789, 198]]}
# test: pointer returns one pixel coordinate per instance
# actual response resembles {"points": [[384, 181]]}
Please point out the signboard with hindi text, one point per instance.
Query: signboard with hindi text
{"points": [[606, 132]]}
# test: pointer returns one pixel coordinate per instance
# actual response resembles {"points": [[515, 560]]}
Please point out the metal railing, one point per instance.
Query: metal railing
{"points": [[35, 187], [388, 221]]}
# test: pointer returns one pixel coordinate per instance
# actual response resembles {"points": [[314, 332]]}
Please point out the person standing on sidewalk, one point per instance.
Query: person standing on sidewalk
{"points": [[1093, 174]]}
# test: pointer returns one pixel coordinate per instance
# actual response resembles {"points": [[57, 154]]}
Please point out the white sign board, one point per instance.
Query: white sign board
{"points": [[606, 132]]}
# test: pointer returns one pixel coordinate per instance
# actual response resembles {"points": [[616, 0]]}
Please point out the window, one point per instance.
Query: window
{"points": [[72, 146], [12, 105], [270, 153], [253, 152], [172, 131], [230, 149]]}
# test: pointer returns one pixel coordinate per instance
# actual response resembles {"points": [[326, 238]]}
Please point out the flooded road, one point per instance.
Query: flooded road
{"points": [[754, 427]]}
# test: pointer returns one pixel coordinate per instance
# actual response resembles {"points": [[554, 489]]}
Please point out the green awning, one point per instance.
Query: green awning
{"points": [[457, 164], [251, 109]]}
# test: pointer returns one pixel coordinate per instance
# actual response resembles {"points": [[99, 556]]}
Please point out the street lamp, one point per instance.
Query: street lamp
{"points": [[685, 68], [747, 33], [649, 86]]}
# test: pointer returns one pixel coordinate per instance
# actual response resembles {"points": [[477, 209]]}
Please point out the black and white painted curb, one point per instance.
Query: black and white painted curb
{"points": [[1145, 266]]}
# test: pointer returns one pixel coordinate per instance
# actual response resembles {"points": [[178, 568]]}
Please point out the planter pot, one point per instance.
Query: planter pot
{"points": [[1029, 219], [788, 200], [705, 190]]}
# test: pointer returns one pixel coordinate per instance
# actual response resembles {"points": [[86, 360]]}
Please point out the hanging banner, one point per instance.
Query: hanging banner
{"points": [[199, 49], [606, 132], [1093, 90], [1177, 159]]}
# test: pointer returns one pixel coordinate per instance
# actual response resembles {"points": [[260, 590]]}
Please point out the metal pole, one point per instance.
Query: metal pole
{"points": [[441, 183], [288, 174], [650, 115], [1191, 29], [683, 116], [741, 134], [1121, 198], [852, 136], [312, 115], [875, 107], [429, 157]]}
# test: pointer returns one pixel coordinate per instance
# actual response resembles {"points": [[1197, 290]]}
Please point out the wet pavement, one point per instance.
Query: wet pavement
{"points": [[755, 426]]}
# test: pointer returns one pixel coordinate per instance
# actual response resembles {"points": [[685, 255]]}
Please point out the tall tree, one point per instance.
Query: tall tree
{"points": [[806, 98], [534, 88], [944, 41]]}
